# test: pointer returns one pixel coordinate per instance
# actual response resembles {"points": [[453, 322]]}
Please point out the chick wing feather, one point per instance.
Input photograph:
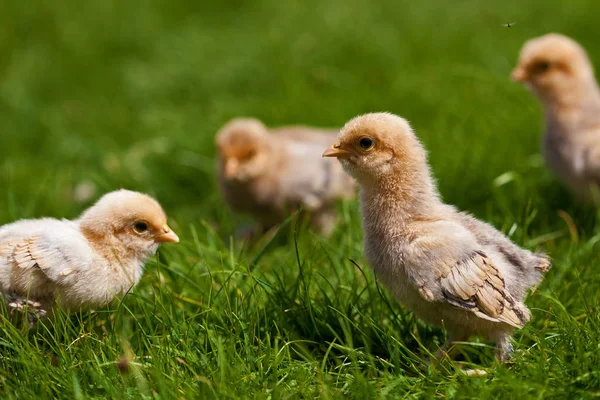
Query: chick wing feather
{"points": [[55, 250], [315, 136], [461, 274], [476, 285]]}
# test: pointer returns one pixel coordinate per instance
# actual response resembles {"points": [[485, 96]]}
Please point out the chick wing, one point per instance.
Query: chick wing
{"points": [[463, 275], [35, 255]]}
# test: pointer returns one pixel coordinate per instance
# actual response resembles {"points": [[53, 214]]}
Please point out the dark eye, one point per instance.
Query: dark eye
{"points": [[140, 227], [366, 143], [543, 66]]}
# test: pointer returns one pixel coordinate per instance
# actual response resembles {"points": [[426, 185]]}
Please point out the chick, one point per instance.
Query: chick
{"points": [[267, 174], [558, 71], [446, 266], [81, 263]]}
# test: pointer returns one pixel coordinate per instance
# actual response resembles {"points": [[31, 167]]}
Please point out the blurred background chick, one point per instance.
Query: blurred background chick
{"points": [[270, 173], [558, 71]]}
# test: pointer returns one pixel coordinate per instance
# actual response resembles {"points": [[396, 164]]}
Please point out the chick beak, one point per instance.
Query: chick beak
{"points": [[336, 151], [231, 168], [167, 236], [518, 75]]}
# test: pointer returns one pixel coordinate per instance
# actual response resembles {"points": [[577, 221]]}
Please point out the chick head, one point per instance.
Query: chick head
{"points": [[552, 64], [135, 219], [244, 147], [376, 145]]}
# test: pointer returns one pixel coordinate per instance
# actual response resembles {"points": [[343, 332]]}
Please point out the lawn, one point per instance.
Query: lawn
{"points": [[104, 94]]}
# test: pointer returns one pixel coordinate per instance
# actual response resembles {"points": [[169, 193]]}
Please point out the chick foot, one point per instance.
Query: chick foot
{"points": [[504, 349], [34, 310]]}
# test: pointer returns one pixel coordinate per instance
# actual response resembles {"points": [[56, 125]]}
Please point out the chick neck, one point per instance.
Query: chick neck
{"points": [[574, 107], [126, 262], [405, 193]]}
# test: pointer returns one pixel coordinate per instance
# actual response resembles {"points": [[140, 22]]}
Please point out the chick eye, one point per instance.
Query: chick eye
{"points": [[366, 143], [543, 66], [140, 227]]}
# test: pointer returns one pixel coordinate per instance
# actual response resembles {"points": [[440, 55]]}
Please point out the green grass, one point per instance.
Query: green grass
{"points": [[131, 93]]}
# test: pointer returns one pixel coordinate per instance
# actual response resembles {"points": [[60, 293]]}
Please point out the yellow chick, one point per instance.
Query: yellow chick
{"points": [[558, 71], [269, 173], [449, 268], [81, 263]]}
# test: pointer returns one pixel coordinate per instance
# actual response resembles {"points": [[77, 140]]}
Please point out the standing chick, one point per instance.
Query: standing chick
{"points": [[448, 267], [81, 263], [558, 71], [269, 173]]}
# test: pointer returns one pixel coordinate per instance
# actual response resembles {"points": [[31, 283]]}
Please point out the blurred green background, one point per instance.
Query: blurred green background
{"points": [[130, 94], [99, 95]]}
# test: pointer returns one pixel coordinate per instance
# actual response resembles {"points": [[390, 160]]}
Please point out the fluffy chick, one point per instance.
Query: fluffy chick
{"points": [[448, 267], [267, 173], [558, 71], [81, 263]]}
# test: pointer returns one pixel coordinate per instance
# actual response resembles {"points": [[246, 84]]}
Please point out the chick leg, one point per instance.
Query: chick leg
{"points": [[504, 348], [446, 350], [324, 221], [247, 232], [253, 232]]}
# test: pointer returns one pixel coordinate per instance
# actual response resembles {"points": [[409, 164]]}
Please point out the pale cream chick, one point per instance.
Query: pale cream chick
{"points": [[81, 263], [559, 72], [451, 269], [270, 173]]}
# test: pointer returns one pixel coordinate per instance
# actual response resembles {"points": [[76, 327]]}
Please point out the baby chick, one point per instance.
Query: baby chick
{"points": [[448, 267], [268, 173], [558, 71], [81, 263]]}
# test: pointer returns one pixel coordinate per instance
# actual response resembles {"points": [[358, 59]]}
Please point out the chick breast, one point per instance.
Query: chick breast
{"points": [[574, 157]]}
